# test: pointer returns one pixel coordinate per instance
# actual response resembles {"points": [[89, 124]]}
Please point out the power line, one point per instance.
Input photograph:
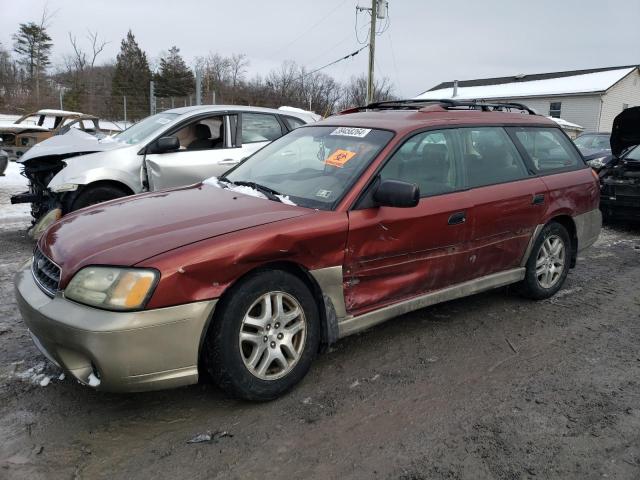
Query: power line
{"points": [[303, 34], [353, 54]]}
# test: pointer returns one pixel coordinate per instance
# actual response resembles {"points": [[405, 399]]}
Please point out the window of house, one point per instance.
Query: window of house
{"points": [[548, 149], [555, 109], [490, 157], [428, 160], [260, 127]]}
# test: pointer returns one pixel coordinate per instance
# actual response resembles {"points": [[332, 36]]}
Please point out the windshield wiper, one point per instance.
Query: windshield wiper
{"points": [[270, 193]]}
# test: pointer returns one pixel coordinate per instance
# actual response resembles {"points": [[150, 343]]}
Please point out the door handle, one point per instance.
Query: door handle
{"points": [[538, 199], [228, 161], [458, 218]]}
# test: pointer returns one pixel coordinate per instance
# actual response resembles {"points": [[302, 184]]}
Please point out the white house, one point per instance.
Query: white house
{"points": [[589, 98]]}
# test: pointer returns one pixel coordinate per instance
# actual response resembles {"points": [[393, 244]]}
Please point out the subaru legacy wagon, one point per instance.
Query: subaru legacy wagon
{"points": [[327, 231]]}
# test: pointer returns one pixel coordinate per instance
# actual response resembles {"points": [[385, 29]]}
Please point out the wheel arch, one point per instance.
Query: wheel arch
{"points": [[326, 311], [567, 222], [70, 199]]}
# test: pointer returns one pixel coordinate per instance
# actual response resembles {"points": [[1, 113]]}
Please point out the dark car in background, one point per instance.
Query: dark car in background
{"points": [[4, 161], [595, 147], [620, 178]]}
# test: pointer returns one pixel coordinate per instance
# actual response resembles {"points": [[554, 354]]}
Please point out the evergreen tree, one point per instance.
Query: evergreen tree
{"points": [[33, 45], [131, 78], [175, 79]]}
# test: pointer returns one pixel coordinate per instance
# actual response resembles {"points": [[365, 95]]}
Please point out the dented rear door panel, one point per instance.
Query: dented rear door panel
{"points": [[504, 218]]}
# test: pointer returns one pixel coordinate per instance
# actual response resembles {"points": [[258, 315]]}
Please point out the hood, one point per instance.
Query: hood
{"points": [[74, 141], [127, 231], [626, 130]]}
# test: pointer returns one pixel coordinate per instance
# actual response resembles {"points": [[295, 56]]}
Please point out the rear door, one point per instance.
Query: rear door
{"points": [[508, 200], [397, 253]]}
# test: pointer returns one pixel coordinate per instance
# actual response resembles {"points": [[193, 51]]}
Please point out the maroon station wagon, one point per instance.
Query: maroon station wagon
{"points": [[331, 229]]}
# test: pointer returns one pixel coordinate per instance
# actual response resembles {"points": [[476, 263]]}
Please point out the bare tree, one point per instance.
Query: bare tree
{"points": [[80, 58], [97, 46], [355, 92], [238, 64]]}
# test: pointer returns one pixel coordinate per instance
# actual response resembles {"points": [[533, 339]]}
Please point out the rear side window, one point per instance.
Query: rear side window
{"points": [[293, 123], [549, 150], [428, 160], [490, 157], [260, 127]]}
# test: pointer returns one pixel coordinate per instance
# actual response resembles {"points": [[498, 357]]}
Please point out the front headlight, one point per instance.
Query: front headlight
{"points": [[597, 162], [65, 187], [112, 288]]}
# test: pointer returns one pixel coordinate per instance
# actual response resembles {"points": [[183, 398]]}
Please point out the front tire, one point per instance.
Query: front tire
{"points": [[93, 195], [549, 262], [264, 336]]}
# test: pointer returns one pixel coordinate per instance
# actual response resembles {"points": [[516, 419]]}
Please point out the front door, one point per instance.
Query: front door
{"points": [[205, 151], [398, 253]]}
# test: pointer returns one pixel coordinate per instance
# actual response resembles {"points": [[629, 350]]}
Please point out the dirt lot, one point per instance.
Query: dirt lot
{"points": [[492, 386]]}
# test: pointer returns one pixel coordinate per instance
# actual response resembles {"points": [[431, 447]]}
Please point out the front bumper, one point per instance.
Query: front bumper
{"points": [[115, 351]]}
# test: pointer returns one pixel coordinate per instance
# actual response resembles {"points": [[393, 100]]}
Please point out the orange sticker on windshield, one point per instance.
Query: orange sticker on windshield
{"points": [[339, 158]]}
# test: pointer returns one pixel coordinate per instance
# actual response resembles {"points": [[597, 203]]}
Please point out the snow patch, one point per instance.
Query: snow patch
{"points": [[11, 183], [244, 190], [93, 380]]}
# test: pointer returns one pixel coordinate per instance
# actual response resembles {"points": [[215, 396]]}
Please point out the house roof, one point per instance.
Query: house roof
{"points": [[544, 84]]}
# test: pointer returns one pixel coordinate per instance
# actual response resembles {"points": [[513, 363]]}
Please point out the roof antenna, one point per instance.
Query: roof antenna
{"points": [[455, 89]]}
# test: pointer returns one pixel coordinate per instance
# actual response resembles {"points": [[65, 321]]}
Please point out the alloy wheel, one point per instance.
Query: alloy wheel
{"points": [[550, 261], [272, 335]]}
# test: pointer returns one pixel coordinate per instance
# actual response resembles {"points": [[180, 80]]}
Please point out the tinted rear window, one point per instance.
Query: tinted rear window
{"points": [[549, 150]]}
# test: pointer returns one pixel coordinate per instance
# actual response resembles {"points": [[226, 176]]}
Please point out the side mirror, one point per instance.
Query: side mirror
{"points": [[164, 145], [395, 193]]}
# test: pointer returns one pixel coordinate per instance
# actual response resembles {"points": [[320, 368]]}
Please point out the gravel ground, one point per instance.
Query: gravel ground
{"points": [[492, 386]]}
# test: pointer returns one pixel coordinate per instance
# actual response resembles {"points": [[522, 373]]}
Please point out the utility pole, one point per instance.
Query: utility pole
{"points": [[124, 106], [372, 50], [61, 100], [198, 88], [152, 98], [378, 10]]}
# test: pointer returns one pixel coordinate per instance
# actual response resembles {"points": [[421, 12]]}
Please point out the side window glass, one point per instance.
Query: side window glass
{"points": [[548, 149], [205, 134], [260, 127], [428, 160], [490, 157], [292, 123]]}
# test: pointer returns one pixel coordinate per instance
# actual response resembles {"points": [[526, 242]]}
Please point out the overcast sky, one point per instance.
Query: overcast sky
{"points": [[427, 41]]}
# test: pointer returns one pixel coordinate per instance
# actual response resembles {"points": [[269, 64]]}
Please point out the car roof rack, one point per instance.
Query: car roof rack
{"points": [[446, 103]]}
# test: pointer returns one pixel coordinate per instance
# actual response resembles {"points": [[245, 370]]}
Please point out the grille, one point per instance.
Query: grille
{"points": [[46, 273], [628, 190]]}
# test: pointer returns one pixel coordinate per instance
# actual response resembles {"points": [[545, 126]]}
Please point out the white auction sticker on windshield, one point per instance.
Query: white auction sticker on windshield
{"points": [[351, 132]]}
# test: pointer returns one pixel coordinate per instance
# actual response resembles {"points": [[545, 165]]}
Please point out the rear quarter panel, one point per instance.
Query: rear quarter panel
{"points": [[571, 193]]}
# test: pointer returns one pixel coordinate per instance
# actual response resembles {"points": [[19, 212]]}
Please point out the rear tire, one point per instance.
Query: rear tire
{"points": [[548, 264], [92, 195], [264, 336]]}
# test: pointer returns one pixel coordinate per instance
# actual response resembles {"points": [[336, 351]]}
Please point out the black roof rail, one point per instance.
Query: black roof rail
{"points": [[447, 103]]}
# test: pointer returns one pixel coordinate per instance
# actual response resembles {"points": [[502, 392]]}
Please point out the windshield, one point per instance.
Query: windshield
{"points": [[594, 142], [313, 166], [584, 141], [141, 130], [633, 154]]}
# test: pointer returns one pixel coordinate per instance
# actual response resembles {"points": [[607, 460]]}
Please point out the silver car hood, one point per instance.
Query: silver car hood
{"points": [[74, 141]]}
